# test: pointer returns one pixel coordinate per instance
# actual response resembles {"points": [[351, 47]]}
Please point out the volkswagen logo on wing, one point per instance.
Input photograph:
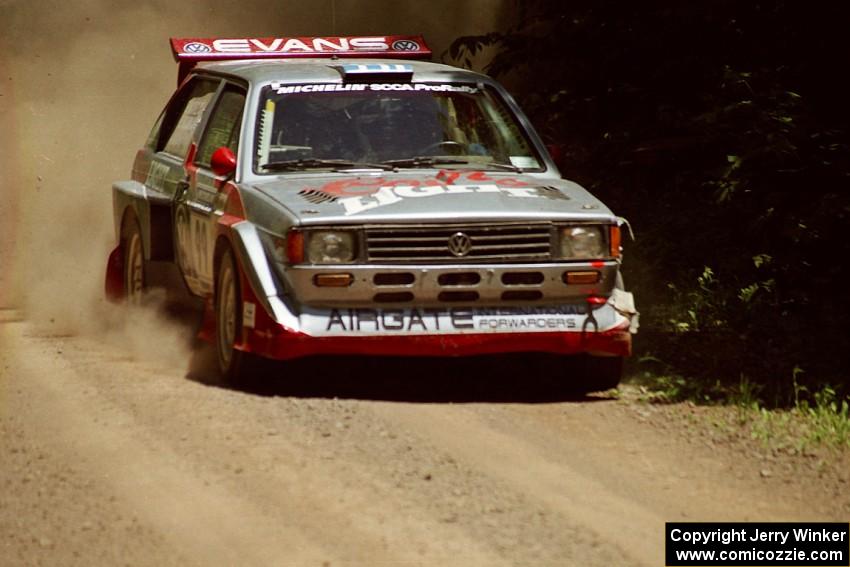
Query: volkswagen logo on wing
{"points": [[197, 47], [460, 244], [405, 45]]}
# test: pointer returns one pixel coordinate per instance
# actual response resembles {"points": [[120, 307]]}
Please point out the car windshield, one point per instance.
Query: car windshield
{"points": [[400, 125]]}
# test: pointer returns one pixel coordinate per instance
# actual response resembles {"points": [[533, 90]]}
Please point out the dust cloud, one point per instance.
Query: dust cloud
{"points": [[80, 85]]}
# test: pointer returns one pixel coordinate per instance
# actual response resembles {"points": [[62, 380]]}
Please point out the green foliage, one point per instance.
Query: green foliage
{"points": [[825, 423], [830, 418], [719, 132], [699, 309], [812, 422]]}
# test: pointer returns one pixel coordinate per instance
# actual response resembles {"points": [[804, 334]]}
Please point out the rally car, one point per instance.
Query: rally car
{"points": [[345, 195]]}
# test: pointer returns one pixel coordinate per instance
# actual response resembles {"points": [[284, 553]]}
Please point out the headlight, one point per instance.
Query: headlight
{"points": [[330, 247], [582, 242]]}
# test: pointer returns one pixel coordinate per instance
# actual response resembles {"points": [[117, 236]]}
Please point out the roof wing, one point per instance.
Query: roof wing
{"points": [[188, 51]]}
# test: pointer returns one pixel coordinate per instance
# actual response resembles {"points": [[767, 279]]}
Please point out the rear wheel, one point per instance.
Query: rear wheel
{"points": [[134, 263], [235, 366]]}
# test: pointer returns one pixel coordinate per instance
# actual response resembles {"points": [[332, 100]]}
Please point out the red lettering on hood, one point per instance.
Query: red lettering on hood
{"points": [[478, 176], [481, 177], [354, 187], [448, 176], [351, 187]]}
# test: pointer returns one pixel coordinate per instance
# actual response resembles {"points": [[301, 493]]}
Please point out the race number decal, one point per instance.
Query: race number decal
{"points": [[193, 256]]}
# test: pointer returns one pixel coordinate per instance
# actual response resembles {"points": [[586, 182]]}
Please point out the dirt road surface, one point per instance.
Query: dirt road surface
{"points": [[112, 458]]}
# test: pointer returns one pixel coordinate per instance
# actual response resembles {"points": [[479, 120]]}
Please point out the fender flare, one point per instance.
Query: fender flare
{"points": [[244, 240]]}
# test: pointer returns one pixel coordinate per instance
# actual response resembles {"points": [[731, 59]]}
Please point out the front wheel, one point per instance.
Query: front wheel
{"points": [[599, 373], [236, 367]]}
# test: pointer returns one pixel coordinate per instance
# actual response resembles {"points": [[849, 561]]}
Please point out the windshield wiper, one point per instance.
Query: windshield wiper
{"points": [[427, 161], [315, 163], [423, 161], [506, 166]]}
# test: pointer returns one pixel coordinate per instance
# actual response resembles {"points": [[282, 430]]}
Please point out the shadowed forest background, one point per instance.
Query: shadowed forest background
{"points": [[720, 131]]}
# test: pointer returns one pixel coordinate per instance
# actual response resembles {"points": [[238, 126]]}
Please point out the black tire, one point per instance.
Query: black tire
{"points": [[236, 367], [599, 373], [133, 257]]}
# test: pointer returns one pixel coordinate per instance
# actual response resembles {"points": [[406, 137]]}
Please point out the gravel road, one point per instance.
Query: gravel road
{"points": [[112, 457]]}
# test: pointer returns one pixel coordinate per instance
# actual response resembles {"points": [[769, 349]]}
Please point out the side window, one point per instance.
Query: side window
{"points": [[153, 137], [224, 125], [183, 116]]}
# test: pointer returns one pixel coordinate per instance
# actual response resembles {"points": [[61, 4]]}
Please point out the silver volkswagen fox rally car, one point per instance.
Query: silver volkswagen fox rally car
{"points": [[343, 195]]}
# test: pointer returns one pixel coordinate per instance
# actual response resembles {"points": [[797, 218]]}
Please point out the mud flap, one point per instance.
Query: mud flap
{"points": [[114, 283]]}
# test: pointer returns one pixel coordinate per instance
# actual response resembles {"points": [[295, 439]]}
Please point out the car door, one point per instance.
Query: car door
{"points": [[161, 163], [173, 134], [195, 212]]}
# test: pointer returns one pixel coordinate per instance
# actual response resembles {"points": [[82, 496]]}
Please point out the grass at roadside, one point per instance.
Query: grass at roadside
{"points": [[814, 420]]}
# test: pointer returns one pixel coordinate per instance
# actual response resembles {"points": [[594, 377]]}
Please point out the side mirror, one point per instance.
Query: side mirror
{"points": [[223, 161]]}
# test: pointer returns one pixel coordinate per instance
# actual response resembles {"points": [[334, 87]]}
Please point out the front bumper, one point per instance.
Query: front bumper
{"points": [[282, 344], [428, 331]]}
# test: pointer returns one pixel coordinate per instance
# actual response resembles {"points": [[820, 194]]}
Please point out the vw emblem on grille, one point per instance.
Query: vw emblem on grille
{"points": [[460, 244], [197, 47], [405, 45]]}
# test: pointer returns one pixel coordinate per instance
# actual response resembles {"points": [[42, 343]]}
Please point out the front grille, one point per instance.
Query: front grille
{"points": [[492, 243]]}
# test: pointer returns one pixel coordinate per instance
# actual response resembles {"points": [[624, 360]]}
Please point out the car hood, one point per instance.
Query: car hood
{"points": [[428, 196]]}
